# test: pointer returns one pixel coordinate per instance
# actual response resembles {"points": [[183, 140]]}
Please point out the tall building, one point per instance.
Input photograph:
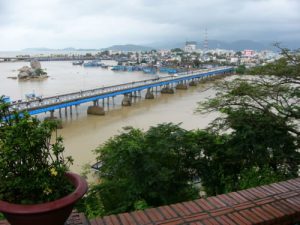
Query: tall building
{"points": [[190, 46]]}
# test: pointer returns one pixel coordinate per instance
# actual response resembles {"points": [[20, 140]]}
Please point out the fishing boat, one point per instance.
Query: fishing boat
{"points": [[94, 63], [78, 63], [149, 70], [6, 99], [167, 70]]}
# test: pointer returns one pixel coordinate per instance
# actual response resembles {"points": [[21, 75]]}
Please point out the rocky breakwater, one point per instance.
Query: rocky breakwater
{"points": [[33, 72]]}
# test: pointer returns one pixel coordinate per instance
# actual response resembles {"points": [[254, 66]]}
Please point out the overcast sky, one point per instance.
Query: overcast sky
{"points": [[100, 23]]}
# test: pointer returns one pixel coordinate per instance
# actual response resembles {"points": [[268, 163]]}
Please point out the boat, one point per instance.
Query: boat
{"points": [[119, 68], [168, 70], [78, 63], [6, 99], [94, 63], [33, 96], [149, 70], [104, 66]]}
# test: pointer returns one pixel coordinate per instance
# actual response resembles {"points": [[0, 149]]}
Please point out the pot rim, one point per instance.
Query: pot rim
{"points": [[80, 189]]}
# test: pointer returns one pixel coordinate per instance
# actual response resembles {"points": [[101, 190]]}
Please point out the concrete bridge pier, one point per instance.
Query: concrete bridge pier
{"points": [[201, 79], [113, 100], [66, 112], [193, 83], [76, 109], [96, 103], [55, 119], [181, 86], [167, 90], [149, 94], [107, 103], [95, 109], [71, 113], [59, 112], [126, 100], [52, 113]]}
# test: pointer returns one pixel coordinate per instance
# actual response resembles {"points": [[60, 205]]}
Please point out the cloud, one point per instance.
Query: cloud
{"points": [[98, 23]]}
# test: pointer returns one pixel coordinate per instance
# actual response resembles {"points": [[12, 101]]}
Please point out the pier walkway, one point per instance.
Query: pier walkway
{"points": [[49, 104]]}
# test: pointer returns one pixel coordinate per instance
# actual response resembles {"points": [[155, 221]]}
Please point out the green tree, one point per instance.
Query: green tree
{"points": [[261, 119], [254, 142], [147, 167], [240, 69], [177, 50]]}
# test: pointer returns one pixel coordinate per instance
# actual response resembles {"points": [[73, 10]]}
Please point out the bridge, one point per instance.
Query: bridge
{"points": [[50, 104]]}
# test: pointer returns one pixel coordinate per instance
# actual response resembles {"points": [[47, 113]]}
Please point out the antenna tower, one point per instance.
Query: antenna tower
{"points": [[205, 45]]}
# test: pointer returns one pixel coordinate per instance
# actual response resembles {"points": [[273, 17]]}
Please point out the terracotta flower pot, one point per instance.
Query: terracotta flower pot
{"points": [[50, 213]]}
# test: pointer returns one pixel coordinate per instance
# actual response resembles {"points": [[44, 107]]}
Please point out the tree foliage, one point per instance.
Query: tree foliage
{"points": [[254, 142], [147, 167], [240, 69], [261, 119]]}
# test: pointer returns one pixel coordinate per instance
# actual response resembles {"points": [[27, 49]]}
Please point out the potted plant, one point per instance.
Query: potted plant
{"points": [[35, 185]]}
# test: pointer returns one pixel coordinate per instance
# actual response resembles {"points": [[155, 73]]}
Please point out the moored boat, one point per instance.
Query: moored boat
{"points": [[94, 63], [78, 63]]}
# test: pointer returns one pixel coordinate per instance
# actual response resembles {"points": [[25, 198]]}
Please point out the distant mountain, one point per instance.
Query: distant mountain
{"points": [[166, 45], [37, 49], [238, 45], [69, 49], [212, 44], [128, 48]]}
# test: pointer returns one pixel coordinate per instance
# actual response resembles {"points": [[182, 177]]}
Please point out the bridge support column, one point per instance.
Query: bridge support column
{"points": [[193, 83], [96, 102], [181, 86], [59, 112], [71, 113], [167, 90], [149, 94], [76, 109], [107, 103], [126, 100], [96, 110], [52, 113], [66, 112], [55, 119], [113, 100]]}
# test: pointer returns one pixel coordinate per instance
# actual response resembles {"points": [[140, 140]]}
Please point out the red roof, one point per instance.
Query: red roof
{"points": [[275, 204]]}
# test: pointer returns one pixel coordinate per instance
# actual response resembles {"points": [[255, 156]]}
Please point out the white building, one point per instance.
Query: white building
{"points": [[190, 46]]}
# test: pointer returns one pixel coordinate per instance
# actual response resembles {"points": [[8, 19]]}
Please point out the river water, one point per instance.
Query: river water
{"points": [[82, 133]]}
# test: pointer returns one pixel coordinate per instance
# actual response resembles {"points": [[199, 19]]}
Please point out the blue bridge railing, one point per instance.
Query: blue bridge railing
{"points": [[41, 105]]}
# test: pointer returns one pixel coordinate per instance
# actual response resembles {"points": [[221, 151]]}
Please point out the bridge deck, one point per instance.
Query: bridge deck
{"points": [[40, 105]]}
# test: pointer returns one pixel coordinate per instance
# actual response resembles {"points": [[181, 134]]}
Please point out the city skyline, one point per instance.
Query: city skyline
{"points": [[97, 24]]}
